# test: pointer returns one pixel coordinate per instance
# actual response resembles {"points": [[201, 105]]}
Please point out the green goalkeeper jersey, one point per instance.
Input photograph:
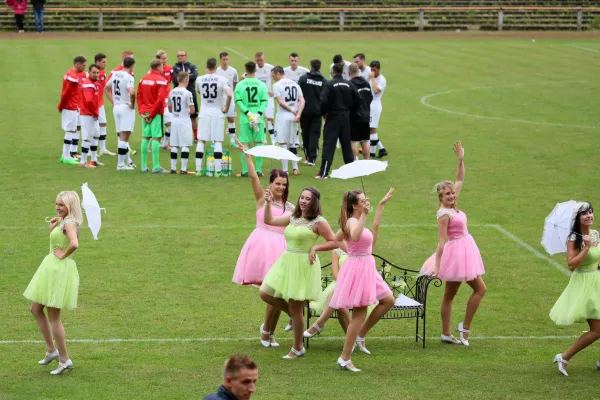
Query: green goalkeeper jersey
{"points": [[251, 95]]}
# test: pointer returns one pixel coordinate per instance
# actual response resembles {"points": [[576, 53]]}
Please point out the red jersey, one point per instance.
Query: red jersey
{"points": [[89, 98], [69, 97], [152, 92], [167, 72], [102, 80]]}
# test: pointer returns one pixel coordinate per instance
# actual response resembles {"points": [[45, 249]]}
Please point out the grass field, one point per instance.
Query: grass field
{"points": [[527, 114]]}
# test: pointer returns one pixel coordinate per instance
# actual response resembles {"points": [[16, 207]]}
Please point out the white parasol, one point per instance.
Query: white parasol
{"points": [[92, 210], [557, 227], [358, 169], [274, 152]]}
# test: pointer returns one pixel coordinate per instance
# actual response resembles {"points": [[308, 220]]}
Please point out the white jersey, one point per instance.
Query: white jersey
{"points": [[180, 100], [366, 73], [295, 75], [211, 88], [264, 74], [345, 74], [290, 93], [381, 82], [121, 82], [230, 74]]}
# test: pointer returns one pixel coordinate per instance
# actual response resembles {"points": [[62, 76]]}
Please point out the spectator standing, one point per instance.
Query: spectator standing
{"points": [[38, 14], [19, 6]]}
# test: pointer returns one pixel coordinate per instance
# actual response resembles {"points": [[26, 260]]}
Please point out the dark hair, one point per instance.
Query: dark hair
{"points": [[315, 65], [236, 363], [94, 66], [99, 57], [359, 55], [182, 76], [79, 59], [278, 70], [577, 225], [128, 62], [294, 54], [278, 173], [223, 54], [314, 207], [375, 64], [337, 69], [250, 67], [211, 63], [338, 59], [350, 199]]}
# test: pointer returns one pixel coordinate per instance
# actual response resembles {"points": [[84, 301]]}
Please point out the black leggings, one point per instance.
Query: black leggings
{"points": [[19, 19]]}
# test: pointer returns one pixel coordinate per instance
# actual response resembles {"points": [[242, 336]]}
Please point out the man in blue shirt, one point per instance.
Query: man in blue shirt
{"points": [[240, 374]]}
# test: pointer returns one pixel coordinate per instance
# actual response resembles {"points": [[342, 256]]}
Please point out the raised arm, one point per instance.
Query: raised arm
{"points": [[442, 237], [575, 256], [356, 228], [374, 86], [460, 170], [281, 220], [379, 216], [259, 193], [53, 222]]}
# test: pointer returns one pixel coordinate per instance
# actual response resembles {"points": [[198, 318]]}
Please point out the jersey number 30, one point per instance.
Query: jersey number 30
{"points": [[209, 90], [291, 93]]}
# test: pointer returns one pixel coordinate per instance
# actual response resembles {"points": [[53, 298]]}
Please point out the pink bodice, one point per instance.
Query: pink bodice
{"points": [[457, 227], [275, 211], [363, 247]]}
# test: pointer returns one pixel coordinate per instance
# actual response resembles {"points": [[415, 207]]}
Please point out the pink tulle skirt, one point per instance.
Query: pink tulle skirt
{"points": [[461, 261], [359, 284], [259, 253]]}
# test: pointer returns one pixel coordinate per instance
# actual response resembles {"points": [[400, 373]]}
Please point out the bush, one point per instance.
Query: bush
{"points": [[595, 23], [311, 19]]}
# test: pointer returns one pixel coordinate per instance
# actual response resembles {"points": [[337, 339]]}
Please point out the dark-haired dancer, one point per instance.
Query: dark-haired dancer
{"points": [[359, 285], [266, 243], [580, 301], [296, 276]]}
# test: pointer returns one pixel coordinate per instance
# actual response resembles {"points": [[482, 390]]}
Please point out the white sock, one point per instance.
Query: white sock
{"points": [[167, 138], [185, 154], [94, 149], [122, 153], [85, 148], [380, 145], [67, 146], [174, 151], [374, 141], [219, 154], [75, 141], [102, 139], [284, 163], [199, 156]]}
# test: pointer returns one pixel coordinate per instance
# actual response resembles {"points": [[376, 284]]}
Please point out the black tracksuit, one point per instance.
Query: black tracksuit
{"points": [[193, 71], [359, 121], [310, 121], [339, 99]]}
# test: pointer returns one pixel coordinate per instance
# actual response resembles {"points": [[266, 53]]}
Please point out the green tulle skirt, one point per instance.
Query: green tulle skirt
{"points": [[55, 283], [579, 301], [293, 277]]}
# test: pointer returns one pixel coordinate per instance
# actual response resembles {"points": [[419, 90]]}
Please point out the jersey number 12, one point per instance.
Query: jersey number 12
{"points": [[252, 92]]}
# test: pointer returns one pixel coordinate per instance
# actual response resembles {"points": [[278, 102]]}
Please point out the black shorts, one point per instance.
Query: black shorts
{"points": [[194, 115], [359, 131]]}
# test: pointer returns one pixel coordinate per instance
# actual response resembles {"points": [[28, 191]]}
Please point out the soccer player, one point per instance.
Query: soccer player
{"points": [[251, 98], [359, 121], [231, 74], [294, 71], [181, 106], [183, 65], [100, 60], [378, 84], [88, 111], [291, 103], [123, 100], [152, 91], [124, 54], [167, 73], [263, 74], [364, 69], [338, 59], [68, 105], [212, 88]]}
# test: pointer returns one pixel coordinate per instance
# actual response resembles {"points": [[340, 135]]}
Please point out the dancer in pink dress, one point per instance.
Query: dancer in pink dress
{"points": [[359, 285], [266, 243], [457, 258]]}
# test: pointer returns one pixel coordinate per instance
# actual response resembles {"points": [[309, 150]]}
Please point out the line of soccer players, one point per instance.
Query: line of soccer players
{"points": [[169, 116]]}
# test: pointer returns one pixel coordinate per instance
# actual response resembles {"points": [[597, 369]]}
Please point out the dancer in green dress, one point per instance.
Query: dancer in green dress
{"points": [[580, 301], [296, 275], [56, 281]]}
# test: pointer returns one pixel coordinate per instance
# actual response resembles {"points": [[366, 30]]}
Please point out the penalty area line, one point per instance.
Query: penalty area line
{"points": [[245, 57]]}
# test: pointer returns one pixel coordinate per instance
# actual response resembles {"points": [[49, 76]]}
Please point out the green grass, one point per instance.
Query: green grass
{"points": [[163, 265]]}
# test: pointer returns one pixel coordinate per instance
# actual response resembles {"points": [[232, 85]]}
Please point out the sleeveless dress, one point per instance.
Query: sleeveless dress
{"points": [[56, 282], [292, 276], [359, 284], [580, 300], [263, 247], [461, 260]]}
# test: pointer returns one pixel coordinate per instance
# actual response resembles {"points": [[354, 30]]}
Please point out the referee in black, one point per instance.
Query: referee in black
{"points": [[312, 85], [339, 99]]}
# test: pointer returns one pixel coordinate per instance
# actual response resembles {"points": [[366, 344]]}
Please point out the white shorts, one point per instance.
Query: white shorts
{"points": [[167, 116], [124, 118], [69, 120], [89, 128], [211, 129], [287, 130], [78, 119], [375, 115], [270, 111], [101, 115], [181, 133]]}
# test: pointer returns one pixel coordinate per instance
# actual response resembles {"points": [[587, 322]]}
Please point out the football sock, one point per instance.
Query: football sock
{"points": [[155, 154], [272, 134], [295, 151], [374, 140], [102, 139], [195, 134], [85, 147], [122, 151], [166, 139], [259, 160], [67, 146], [199, 155], [174, 151], [94, 149], [284, 163], [185, 155], [74, 143], [218, 156], [231, 130], [144, 151], [380, 146]]}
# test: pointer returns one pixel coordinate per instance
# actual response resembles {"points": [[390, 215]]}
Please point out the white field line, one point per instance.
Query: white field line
{"points": [[522, 121], [237, 52], [253, 339], [532, 250], [585, 48]]}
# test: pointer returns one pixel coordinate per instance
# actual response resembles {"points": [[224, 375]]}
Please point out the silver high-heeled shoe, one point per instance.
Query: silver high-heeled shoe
{"points": [[289, 326], [49, 358], [561, 364], [273, 342], [298, 353], [67, 365], [265, 343], [360, 343], [461, 330], [307, 334], [346, 365]]}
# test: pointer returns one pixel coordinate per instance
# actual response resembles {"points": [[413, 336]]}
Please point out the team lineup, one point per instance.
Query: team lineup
{"points": [[285, 106]]}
